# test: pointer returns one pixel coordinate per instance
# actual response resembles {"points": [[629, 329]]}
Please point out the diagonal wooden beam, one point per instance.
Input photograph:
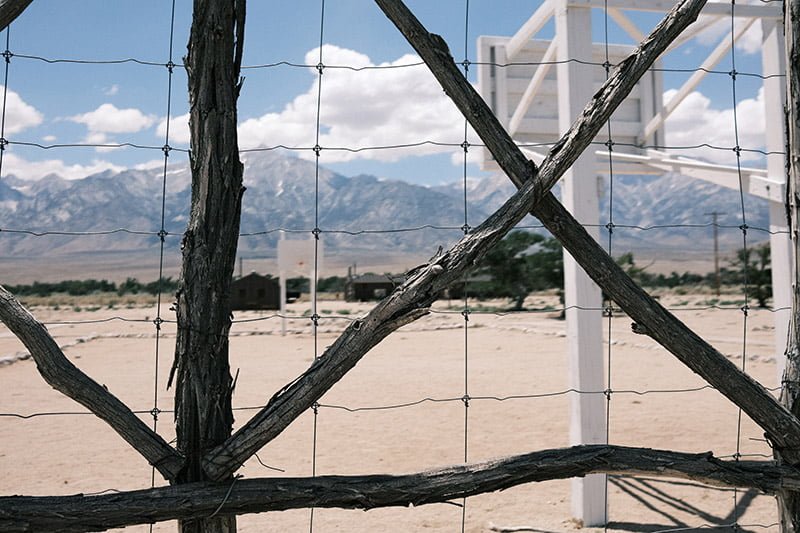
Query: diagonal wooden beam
{"points": [[782, 427], [411, 300], [10, 10], [66, 378], [98, 513]]}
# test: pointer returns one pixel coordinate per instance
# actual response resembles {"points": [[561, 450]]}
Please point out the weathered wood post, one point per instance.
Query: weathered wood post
{"points": [[789, 502], [203, 414]]}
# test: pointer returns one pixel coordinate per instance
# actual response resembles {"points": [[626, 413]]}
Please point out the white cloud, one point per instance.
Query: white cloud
{"points": [[109, 119], [19, 114], [33, 170], [111, 91], [49, 138], [362, 109], [149, 165], [178, 129], [694, 122]]}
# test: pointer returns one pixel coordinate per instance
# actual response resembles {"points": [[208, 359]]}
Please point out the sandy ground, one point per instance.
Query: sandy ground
{"points": [[501, 355]]}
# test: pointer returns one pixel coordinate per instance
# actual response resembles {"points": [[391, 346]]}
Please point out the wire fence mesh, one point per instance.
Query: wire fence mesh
{"points": [[471, 381]]}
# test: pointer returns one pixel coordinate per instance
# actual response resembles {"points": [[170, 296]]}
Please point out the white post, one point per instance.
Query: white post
{"points": [[584, 327], [773, 62], [282, 274]]}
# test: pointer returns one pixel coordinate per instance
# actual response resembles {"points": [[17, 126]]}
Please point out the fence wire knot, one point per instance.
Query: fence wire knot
{"points": [[465, 313], [8, 55], [317, 149], [166, 149], [155, 411], [610, 227], [610, 145], [157, 322], [733, 74], [465, 145], [170, 66], [466, 400], [3, 143], [315, 319], [316, 232], [745, 309], [315, 407], [607, 393], [162, 234], [466, 228], [320, 67], [466, 63]]}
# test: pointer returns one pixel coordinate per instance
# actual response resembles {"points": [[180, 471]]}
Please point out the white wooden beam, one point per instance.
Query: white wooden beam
{"points": [[582, 297], [694, 80], [700, 25], [755, 181], [532, 89], [626, 24], [531, 27], [773, 62], [768, 10]]}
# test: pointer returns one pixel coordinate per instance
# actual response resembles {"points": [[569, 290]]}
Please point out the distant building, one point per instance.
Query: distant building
{"points": [[368, 287], [255, 291]]}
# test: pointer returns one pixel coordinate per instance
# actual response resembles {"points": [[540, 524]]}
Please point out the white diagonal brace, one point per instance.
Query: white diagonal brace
{"points": [[694, 80], [529, 29]]}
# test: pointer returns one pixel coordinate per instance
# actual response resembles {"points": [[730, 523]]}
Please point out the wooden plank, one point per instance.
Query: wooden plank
{"points": [[712, 8]]}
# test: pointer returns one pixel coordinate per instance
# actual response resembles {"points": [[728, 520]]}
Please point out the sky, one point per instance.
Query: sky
{"points": [[55, 103]]}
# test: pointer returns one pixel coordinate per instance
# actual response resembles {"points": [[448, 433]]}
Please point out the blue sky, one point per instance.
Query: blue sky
{"points": [[55, 103]]}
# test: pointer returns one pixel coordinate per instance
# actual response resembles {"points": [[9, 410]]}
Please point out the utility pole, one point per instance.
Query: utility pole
{"points": [[714, 215]]}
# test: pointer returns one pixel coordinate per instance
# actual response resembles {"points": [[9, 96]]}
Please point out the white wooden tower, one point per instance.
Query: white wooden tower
{"points": [[537, 97]]}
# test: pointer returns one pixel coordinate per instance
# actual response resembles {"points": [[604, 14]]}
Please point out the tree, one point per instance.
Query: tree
{"points": [[751, 267], [521, 263]]}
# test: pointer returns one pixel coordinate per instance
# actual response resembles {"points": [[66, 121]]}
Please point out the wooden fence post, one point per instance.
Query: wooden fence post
{"points": [[203, 383], [789, 501]]}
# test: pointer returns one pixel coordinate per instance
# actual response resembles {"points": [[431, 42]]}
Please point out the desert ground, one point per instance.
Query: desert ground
{"points": [[400, 410]]}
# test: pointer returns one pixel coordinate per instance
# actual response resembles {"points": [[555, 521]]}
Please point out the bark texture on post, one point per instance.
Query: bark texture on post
{"points": [[789, 501], [201, 371], [79, 513], [10, 10]]}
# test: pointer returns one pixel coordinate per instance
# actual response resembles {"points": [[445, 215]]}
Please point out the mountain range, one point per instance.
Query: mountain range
{"points": [[121, 211]]}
